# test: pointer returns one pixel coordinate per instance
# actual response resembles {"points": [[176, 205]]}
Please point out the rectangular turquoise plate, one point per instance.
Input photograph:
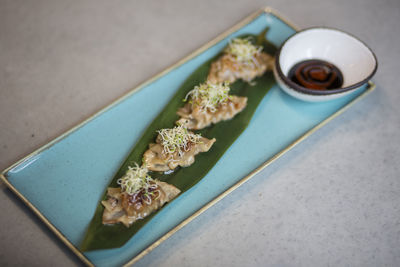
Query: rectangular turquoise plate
{"points": [[64, 180]]}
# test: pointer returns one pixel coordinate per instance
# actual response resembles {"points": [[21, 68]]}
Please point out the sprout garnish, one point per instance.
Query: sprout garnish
{"points": [[242, 49], [137, 180], [209, 95], [177, 139]]}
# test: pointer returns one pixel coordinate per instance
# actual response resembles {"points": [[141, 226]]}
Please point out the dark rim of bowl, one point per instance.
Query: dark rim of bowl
{"points": [[302, 89]]}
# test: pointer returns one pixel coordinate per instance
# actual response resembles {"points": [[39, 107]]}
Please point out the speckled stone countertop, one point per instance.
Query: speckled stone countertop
{"points": [[334, 200]]}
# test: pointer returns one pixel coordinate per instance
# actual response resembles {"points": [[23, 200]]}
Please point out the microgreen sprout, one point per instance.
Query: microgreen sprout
{"points": [[209, 95], [136, 180], [177, 139], [242, 49]]}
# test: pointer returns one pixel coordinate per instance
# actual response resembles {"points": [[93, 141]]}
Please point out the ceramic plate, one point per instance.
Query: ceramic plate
{"points": [[64, 180]]}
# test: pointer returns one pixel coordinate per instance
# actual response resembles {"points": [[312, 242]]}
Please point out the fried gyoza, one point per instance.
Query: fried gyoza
{"points": [[194, 117], [175, 147], [121, 207], [241, 60]]}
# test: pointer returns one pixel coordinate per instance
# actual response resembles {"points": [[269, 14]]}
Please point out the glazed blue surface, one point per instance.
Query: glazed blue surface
{"points": [[66, 180]]}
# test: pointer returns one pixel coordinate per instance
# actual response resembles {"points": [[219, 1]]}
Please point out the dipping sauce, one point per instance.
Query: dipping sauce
{"points": [[316, 74]]}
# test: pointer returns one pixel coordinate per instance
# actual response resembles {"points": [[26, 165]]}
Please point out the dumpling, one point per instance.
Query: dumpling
{"points": [[209, 103], [241, 60], [175, 147], [138, 196]]}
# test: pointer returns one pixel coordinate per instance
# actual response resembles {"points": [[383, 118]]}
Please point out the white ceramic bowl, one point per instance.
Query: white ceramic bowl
{"points": [[354, 59]]}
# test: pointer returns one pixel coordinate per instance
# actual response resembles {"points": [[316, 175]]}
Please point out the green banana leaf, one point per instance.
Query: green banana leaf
{"points": [[99, 236]]}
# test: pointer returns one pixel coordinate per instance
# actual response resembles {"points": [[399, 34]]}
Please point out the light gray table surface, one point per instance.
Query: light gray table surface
{"points": [[334, 200]]}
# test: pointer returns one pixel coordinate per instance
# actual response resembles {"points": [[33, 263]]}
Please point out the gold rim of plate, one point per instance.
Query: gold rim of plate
{"points": [[242, 23]]}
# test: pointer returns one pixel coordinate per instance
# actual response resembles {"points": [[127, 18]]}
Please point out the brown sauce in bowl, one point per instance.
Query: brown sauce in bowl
{"points": [[316, 74]]}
